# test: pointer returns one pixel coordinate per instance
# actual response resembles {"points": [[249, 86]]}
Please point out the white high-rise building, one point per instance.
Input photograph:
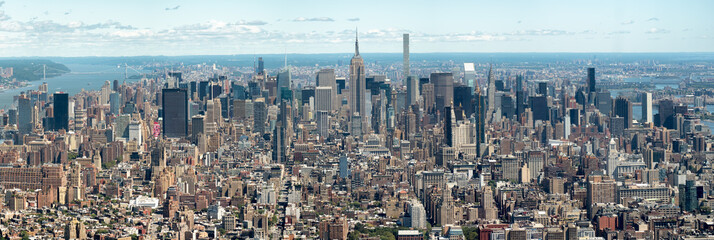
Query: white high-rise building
{"points": [[470, 75], [323, 123], [323, 98], [418, 215], [646, 98], [106, 91], [326, 78]]}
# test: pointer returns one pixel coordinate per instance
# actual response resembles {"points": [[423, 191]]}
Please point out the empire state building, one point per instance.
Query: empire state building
{"points": [[357, 86]]}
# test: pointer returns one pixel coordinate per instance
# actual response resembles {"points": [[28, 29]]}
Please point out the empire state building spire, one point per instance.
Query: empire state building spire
{"points": [[356, 42]]}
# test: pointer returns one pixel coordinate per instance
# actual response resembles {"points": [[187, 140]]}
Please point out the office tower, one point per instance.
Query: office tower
{"points": [[307, 93], [259, 115], [357, 86], [326, 78], [543, 88], [488, 208], [225, 107], [536, 161], [443, 90], [539, 106], [261, 66], [510, 167], [11, 116], [197, 126], [341, 85], [521, 101], [323, 123], [412, 90], [470, 75], [121, 127], [405, 46], [600, 189], [135, 132], [617, 126], [604, 102], [104, 95], [449, 121], [281, 134], [623, 108], [356, 126], [508, 109], [175, 112], [463, 97], [284, 82], [428, 97], [519, 83], [591, 80], [203, 89], [646, 98], [61, 111], [239, 91], [114, 104], [417, 216], [688, 196], [344, 167], [491, 96], [24, 118], [666, 113], [480, 118], [323, 99]]}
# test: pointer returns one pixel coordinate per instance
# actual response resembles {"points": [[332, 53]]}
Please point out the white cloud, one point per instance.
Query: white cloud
{"points": [[628, 22], [540, 32], [657, 31], [316, 19], [653, 19], [353, 19], [172, 8]]}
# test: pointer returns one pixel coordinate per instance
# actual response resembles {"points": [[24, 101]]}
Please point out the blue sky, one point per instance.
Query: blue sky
{"points": [[133, 27]]}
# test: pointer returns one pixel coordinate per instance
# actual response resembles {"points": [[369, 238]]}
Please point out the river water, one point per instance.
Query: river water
{"points": [[83, 76]]}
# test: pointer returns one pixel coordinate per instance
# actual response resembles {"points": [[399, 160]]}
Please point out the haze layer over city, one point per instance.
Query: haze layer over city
{"points": [[374, 120]]}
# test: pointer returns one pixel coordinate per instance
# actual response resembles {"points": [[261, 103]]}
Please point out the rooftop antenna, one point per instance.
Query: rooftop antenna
{"points": [[44, 72], [356, 41]]}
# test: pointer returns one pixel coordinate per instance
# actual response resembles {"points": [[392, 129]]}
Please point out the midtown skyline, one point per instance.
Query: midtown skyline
{"points": [[38, 28]]}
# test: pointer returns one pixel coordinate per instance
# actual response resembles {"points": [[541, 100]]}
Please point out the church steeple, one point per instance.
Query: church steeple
{"points": [[356, 42]]}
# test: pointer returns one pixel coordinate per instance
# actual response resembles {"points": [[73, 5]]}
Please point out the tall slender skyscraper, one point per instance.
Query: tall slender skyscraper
{"points": [[591, 80], [412, 90], [284, 83], [260, 66], [24, 118], [405, 43], [259, 116], [357, 84], [646, 98], [61, 111], [175, 112], [491, 96]]}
